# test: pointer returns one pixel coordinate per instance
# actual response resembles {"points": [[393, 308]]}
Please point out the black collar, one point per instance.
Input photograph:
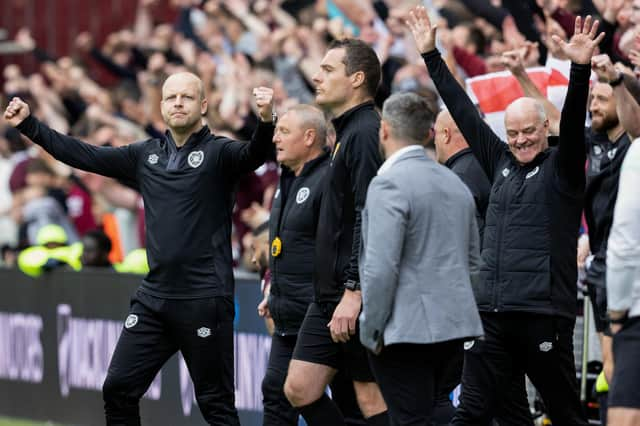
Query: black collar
{"points": [[340, 122], [456, 156], [193, 139], [309, 166]]}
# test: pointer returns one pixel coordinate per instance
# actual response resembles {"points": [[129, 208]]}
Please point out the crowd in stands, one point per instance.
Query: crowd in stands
{"points": [[109, 94], [233, 46]]}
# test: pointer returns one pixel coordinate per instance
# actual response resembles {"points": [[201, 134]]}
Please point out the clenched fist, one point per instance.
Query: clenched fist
{"points": [[264, 102], [16, 111]]}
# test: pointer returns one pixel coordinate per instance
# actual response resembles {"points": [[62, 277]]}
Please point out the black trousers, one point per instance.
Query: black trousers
{"points": [[540, 346], [451, 374], [277, 409], [597, 288], [513, 411], [202, 329], [409, 376], [623, 391]]}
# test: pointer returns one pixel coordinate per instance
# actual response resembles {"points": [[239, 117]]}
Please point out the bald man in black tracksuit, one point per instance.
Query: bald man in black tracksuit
{"points": [[185, 302]]}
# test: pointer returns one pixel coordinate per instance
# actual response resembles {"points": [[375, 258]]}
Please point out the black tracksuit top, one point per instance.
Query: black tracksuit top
{"points": [[294, 219], [188, 198], [355, 160], [464, 164], [533, 218], [603, 172]]}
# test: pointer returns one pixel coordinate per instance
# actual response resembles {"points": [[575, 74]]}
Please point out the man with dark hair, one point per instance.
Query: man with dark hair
{"points": [[607, 143], [185, 302], [527, 291], [358, 56], [345, 86], [96, 247], [420, 250]]}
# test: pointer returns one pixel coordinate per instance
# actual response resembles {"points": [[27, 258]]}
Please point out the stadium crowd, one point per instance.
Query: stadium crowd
{"points": [[234, 46]]}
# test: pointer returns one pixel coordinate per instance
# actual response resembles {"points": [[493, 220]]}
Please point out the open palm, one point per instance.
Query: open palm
{"points": [[423, 32], [583, 43]]}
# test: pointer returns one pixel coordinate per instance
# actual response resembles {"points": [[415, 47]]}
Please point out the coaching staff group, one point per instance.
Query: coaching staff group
{"points": [[185, 303]]}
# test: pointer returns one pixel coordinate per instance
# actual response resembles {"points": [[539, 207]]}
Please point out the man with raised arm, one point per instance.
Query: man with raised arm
{"points": [[527, 291], [185, 302]]}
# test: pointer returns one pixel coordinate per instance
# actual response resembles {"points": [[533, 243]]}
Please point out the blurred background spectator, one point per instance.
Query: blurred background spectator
{"points": [[94, 70]]}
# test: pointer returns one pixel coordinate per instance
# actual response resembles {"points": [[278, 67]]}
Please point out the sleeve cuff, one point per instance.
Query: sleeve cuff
{"points": [[431, 55], [28, 126], [580, 73]]}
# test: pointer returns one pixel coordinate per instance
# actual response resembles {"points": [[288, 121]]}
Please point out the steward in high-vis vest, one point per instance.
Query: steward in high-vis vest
{"points": [[51, 252]]}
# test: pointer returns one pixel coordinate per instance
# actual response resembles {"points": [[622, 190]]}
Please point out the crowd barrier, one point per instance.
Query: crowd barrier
{"points": [[57, 334]]}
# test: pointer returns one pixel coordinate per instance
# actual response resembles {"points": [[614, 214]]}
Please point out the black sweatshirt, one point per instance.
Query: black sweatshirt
{"points": [[188, 198], [354, 162], [532, 221], [603, 172], [464, 164], [294, 219]]}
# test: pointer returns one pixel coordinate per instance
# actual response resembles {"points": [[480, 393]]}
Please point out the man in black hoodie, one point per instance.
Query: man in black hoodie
{"points": [[345, 86], [527, 292]]}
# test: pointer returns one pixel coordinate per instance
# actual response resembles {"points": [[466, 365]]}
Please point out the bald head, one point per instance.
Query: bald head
{"points": [[182, 79], [525, 107], [183, 104], [527, 129], [448, 139], [445, 119]]}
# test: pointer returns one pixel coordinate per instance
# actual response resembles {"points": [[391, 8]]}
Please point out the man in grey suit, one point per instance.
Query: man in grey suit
{"points": [[419, 253]]}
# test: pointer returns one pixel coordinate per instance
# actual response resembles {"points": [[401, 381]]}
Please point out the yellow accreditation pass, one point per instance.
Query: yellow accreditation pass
{"points": [[276, 247]]}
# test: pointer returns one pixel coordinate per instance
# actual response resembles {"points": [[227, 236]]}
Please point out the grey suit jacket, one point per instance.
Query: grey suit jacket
{"points": [[418, 256]]}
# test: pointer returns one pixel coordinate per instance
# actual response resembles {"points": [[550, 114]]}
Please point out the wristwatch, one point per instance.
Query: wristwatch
{"points": [[619, 319], [616, 81], [352, 285]]}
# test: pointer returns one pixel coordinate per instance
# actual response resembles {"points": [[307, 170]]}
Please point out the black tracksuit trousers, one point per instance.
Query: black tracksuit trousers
{"points": [[156, 328], [539, 345]]}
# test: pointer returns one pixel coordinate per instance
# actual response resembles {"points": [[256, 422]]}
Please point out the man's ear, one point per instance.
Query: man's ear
{"points": [[384, 130], [357, 79], [309, 137], [447, 135], [204, 105]]}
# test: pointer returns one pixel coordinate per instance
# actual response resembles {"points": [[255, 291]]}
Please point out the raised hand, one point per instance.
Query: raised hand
{"points": [[603, 67], [634, 57], [423, 32], [264, 102], [513, 60], [16, 112], [583, 42]]}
